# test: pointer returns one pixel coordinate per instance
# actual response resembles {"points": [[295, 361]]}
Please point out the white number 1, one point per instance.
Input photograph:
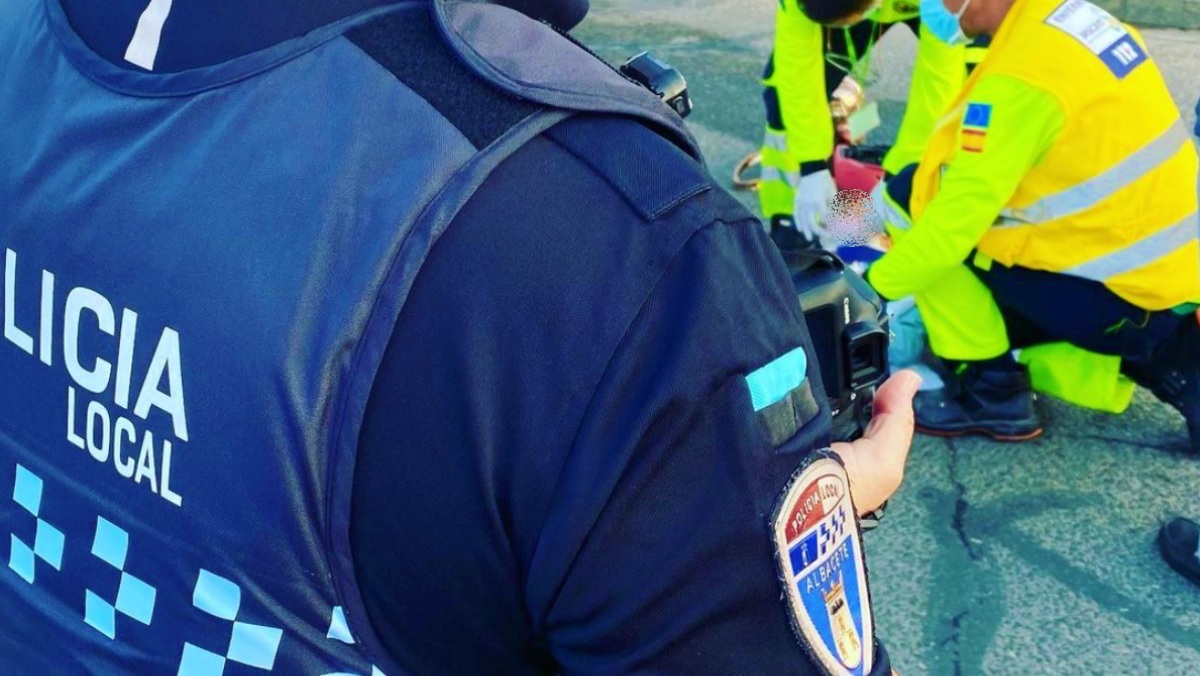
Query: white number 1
{"points": [[1126, 54], [144, 45]]}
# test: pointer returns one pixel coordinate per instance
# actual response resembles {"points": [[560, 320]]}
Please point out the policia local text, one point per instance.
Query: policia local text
{"points": [[106, 434]]}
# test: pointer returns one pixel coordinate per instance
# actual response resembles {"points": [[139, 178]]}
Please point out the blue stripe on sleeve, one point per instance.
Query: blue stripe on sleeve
{"points": [[772, 382]]}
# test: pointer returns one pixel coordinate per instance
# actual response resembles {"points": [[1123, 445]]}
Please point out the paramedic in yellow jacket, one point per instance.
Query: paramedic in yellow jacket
{"points": [[1056, 202], [818, 44]]}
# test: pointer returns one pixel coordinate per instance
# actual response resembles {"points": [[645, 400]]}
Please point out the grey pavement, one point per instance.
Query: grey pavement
{"points": [[1034, 558]]}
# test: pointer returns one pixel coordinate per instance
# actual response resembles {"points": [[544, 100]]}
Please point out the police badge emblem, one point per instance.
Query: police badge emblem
{"points": [[819, 549]]}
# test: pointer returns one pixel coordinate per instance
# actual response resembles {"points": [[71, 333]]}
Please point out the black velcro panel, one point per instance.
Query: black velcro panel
{"points": [[652, 174], [408, 44], [783, 419]]}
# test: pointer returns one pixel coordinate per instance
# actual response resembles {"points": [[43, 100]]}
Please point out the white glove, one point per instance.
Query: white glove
{"points": [[813, 196]]}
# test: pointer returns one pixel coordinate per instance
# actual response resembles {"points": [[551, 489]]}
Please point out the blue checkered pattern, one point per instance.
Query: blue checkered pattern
{"points": [[254, 645], [832, 530], [135, 598], [339, 630], [48, 541], [838, 523]]}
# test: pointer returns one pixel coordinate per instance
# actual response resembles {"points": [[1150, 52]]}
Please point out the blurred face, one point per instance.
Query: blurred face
{"points": [[970, 18]]}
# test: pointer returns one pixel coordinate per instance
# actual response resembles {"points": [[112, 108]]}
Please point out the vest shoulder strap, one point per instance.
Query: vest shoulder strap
{"points": [[651, 175], [537, 63], [408, 44], [485, 103]]}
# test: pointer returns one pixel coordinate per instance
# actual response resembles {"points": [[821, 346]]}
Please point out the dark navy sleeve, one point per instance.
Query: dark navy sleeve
{"points": [[561, 469], [657, 555]]}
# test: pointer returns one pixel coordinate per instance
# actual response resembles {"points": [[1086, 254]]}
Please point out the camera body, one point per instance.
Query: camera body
{"points": [[848, 324]]}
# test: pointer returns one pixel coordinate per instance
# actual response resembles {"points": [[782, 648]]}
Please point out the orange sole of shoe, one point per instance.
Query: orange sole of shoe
{"points": [[1007, 438]]}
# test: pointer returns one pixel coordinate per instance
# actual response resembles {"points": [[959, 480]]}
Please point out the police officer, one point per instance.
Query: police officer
{"points": [[347, 337], [822, 51], [1055, 204]]}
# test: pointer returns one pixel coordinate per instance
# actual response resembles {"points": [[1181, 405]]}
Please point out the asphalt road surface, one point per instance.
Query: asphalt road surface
{"points": [[1034, 558]]}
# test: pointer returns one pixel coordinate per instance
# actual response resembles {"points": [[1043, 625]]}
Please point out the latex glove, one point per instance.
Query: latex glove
{"points": [[813, 196], [875, 463]]}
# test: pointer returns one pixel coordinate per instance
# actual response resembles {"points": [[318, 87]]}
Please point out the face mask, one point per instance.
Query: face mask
{"points": [[942, 23]]}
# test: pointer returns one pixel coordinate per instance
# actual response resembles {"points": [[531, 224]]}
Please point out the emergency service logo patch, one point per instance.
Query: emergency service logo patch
{"points": [[819, 549], [1102, 33], [975, 126]]}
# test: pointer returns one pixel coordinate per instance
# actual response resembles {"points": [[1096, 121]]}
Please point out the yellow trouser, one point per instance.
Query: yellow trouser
{"points": [[965, 324]]}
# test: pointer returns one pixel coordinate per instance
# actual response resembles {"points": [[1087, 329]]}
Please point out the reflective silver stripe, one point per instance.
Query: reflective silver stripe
{"points": [[897, 218], [1140, 253], [887, 209], [1091, 192], [792, 178], [775, 141]]}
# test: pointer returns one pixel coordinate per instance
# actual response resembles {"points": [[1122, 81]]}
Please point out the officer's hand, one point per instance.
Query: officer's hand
{"points": [[842, 127], [875, 463], [813, 196]]}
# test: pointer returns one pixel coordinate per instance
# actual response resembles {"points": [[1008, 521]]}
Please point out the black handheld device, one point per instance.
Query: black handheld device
{"points": [[660, 78], [848, 324]]}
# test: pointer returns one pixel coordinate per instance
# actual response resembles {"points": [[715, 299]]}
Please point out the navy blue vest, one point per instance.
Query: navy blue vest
{"points": [[201, 272]]}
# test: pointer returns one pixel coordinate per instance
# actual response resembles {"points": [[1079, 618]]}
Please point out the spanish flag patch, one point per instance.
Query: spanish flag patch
{"points": [[973, 140], [975, 126]]}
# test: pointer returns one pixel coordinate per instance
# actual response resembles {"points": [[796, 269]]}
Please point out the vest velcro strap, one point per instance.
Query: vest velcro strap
{"points": [[1140, 253], [409, 46], [1093, 191], [891, 212]]}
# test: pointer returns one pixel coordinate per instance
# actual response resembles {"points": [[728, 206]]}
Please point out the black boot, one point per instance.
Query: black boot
{"points": [[1173, 374], [992, 398], [1179, 541]]}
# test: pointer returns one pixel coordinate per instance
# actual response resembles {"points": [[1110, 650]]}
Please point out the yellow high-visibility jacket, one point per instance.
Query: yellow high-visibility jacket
{"points": [[798, 75], [1064, 153]]}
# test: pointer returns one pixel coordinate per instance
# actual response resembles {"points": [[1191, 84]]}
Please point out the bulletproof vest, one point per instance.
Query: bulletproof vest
{"points": [[201, 272]]}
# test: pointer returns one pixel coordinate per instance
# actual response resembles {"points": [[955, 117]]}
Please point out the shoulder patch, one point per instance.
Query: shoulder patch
{"points": [[819, 549], [975, 126], [1102, 33], [978, 115]]}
